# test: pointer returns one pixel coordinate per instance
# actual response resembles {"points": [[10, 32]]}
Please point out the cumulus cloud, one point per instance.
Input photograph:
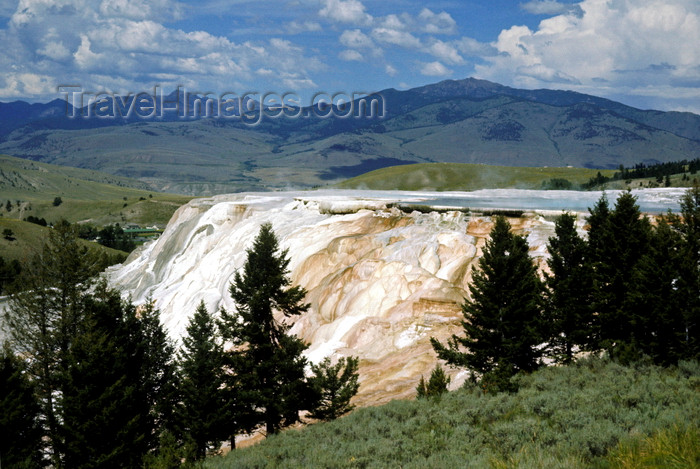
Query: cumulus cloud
{"points": [[351, 55], [356, 39], [345, 11], [445, 52], [122, 45], [396, 37], [166, 10], [390, 70], [437, 23], [25, 84], [620, 43], [415, 33], [435, 69]]}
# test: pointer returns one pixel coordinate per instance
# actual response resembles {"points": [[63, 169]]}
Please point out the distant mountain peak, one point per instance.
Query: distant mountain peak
{"points": [[467, 87]]}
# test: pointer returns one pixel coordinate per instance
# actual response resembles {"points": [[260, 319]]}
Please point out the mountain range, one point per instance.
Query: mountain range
{"points": [[455, 121]]}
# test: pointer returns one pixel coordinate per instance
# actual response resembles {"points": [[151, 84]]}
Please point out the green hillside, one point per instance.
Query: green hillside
{"points": [[86, 195], [594, 414], [28, 239], [466, 177]]}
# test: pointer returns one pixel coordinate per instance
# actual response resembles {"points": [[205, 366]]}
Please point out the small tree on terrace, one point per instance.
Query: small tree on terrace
{"points": [[436, 385], [503, 321], [267, 363], [334, 386]]}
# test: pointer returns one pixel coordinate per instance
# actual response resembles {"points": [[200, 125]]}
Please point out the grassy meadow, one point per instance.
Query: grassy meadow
{"points": [[593, 414]]}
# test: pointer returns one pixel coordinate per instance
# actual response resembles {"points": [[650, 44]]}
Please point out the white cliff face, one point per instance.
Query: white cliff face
{"points": [[380, 281]]}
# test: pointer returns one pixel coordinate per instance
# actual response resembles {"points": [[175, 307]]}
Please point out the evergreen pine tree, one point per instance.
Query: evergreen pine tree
{"points": [[102, 420], [503, 321], [569, 289], [20, 432], [43, 319], [617, 240], [154, 360], [422, 388], [202, 415], [656, 302], [267, 363], [334, 386], [438, 382], [118, 378], [436, 385]]}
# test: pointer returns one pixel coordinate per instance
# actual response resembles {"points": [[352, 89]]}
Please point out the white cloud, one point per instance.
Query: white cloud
{"points": [[396, 37], [295, 81], [390, 70], [445, 52], [351, 55], [84, 57], [394, 22], [19, 85], [123, 45], [55, 51], [356, 39], [626, 44], [165, 10], [434, 69], [345, 11], [437, 23], [295, 27]]}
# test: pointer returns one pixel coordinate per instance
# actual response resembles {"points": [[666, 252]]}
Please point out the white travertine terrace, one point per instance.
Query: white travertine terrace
{"points": [[381, 281]]}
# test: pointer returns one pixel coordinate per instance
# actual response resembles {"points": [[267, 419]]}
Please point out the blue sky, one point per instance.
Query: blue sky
{"points": [[645, 53]]}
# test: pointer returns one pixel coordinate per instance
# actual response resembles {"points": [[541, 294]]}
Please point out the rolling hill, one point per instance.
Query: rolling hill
{"points": [[86, 196], [28, 239]]}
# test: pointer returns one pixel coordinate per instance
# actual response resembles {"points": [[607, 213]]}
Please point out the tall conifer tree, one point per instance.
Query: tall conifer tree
{"points": [[266, 361], [202, 414], [503, 320], [118, 384], [617, 241], [45, 316], [656, 303], [569, 289], [20, 432], [102, 424]]}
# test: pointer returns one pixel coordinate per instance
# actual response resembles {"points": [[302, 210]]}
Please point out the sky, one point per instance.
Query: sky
{"points": [[644, 53]]}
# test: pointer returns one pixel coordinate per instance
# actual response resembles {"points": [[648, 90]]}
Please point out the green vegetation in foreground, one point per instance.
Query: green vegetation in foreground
{"points": [[594, 413], [466, 177], [87, 196]]}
